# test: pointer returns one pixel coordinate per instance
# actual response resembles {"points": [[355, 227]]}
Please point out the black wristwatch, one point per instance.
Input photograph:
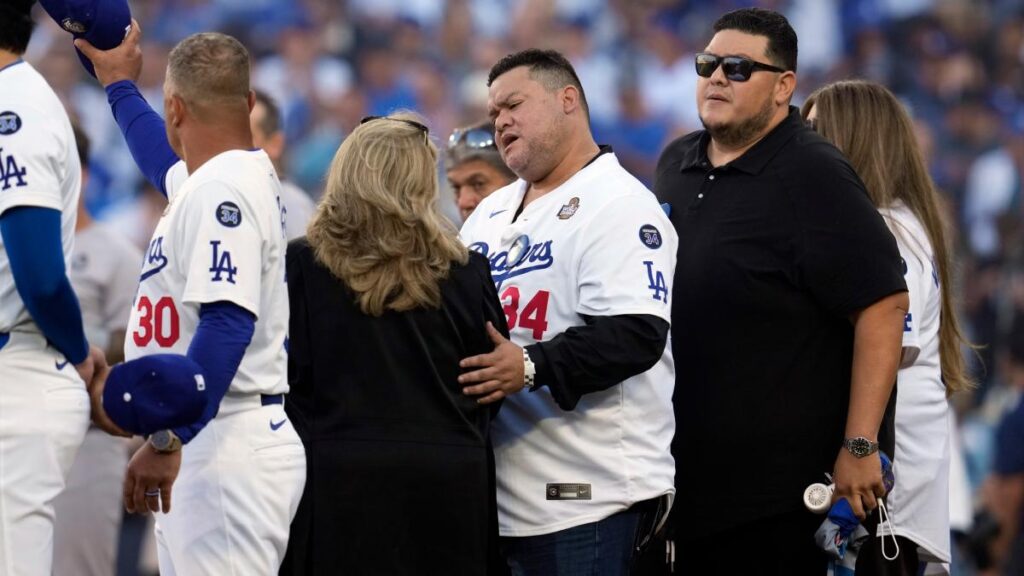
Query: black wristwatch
{"points": [[860, 446]]}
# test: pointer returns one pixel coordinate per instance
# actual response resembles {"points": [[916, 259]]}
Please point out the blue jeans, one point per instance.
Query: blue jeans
{"points": [[603, 548]]}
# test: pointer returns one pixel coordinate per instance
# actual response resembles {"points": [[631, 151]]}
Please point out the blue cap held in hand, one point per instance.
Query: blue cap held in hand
{"points": [[104, 23], [156, 392]]}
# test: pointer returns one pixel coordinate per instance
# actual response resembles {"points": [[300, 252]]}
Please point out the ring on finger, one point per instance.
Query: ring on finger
{"points": [[153, 492]]}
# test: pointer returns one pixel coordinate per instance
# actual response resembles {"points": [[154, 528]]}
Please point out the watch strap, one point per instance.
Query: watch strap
{"points": [[529, 371]]}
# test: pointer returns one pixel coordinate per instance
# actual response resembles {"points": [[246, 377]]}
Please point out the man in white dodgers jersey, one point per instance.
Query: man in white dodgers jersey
{"points": [[45, 360], [582, 255], [213, 288]]}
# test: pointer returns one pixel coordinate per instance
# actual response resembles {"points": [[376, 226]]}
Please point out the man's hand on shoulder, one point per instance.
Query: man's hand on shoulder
{"points": [[501, 371], [121, 63]]}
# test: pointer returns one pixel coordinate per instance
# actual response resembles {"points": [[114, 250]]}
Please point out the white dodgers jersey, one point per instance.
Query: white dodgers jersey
{"points": [[39, 167], [221, 238], [919, 502], [598, 245]]}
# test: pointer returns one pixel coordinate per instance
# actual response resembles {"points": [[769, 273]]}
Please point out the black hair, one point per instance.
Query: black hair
{"points": [[270, 124], [782, 42], [83, 144], [548, 67], [16, 25]]}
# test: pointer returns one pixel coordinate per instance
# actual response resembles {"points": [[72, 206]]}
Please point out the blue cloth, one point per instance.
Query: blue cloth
{"points": [[1009, 452], [155, 392], [841, 534], [603, 548], [224, 332], [103, 23], [32, 239], [144, 131]]}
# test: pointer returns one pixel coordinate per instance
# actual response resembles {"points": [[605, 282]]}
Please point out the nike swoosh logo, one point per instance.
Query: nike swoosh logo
{"points": [[496, 212], [60, 365], [278, 425]]}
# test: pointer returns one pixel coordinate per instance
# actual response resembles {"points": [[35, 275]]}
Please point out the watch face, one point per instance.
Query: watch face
{"points": [[860, 446], [160, 439]]}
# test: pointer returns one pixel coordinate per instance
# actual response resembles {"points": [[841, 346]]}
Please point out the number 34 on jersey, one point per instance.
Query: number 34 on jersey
{"points": [[532, 313]]}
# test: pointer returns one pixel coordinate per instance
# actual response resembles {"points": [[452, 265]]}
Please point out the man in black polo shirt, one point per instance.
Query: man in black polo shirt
{"points": [[787, 316]]}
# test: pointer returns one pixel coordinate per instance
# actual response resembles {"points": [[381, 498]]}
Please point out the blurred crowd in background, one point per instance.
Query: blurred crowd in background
{"points": [[957, 64]]}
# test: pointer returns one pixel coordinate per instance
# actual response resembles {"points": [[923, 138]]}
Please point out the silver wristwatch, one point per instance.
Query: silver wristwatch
{"points": [[860, 446], [165, 441], [529, 372]]}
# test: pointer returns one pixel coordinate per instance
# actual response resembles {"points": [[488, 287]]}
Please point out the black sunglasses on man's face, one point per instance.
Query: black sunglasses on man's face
{"points": [[736, 68]]}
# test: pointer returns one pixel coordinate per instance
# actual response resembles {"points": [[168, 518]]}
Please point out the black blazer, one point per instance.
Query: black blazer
{"points": [[400, 476]]}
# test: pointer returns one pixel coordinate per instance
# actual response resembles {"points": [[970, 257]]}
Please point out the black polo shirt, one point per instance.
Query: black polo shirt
{"points": [[776, 249]]}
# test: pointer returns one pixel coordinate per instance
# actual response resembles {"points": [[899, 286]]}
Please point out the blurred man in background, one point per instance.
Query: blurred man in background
{"points": [[104, 274], [268, 134], [473, 166]]}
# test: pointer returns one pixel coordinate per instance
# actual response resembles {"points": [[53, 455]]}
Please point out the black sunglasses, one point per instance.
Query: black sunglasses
{"points": [[474, 138], [736, 68], [412, 123]]}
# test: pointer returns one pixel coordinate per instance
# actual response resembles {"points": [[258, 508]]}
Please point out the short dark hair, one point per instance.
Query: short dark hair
{"points": [[209, 68], [548, 67], [782, 42], [83, 144], [16, 25], [270, 124]]}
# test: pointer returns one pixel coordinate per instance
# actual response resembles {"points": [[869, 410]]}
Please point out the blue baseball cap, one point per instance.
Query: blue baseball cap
{"points": [[104, 23], [155, 392]]}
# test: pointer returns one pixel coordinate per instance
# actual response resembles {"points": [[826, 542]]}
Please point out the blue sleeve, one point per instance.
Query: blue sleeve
{"points": [[32, 239], [224, 332], [1009, 456], [143, 130]]}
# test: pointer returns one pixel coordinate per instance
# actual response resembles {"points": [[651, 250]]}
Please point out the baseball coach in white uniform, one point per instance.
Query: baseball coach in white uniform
{"points": [[212, 288], [581, 254]]}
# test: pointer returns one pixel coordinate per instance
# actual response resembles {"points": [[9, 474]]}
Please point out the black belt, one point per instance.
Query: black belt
{"points": [[270, 399]]}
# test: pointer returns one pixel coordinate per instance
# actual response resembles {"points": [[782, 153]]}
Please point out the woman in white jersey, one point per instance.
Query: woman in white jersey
{"points": [[868, 124]]}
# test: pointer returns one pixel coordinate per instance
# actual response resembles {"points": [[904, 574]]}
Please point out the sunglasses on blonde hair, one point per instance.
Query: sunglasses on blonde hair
{"points": [[735, 68], [412, 123]]}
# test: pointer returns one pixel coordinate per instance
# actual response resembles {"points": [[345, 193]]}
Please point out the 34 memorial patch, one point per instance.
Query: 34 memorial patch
{"points": [[650, 236], [229, 214], [9, 123]]}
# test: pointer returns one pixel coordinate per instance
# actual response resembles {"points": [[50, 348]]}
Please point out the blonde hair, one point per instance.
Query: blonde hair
{"points": [[378, 228], [874, 131]]}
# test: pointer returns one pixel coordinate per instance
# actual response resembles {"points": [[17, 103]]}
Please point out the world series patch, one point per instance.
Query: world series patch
{"points": [[650, 236], [568, 210], [229, 214]]}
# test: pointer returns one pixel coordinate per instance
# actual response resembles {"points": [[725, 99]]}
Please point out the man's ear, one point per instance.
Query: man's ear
{"points": [[785, 88], [252, 100], [570, 97], [176, 110]]}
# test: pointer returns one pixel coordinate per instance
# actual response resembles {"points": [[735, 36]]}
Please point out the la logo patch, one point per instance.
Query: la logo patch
{"points": [[9, 123], [569, 209]]}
